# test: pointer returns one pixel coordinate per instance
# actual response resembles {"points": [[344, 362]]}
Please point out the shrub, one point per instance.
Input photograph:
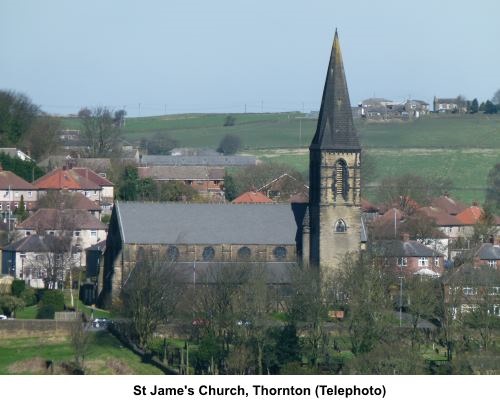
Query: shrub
{"points": [[18, 286], [29, 297], [229, 145], [54, 298], [46, 312]]}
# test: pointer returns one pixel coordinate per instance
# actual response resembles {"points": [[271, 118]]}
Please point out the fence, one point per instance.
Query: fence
{"points": [[12, 328]]}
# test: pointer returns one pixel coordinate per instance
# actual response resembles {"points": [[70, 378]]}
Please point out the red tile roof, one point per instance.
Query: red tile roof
{"points": [[252, 197], [92, 176], [470, 215], [62, 179]]}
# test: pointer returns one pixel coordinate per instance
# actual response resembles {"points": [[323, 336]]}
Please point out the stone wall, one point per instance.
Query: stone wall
{"points": [[19, 328]]}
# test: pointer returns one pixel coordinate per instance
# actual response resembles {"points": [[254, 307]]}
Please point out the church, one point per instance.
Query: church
{"points": [[197, 237]]}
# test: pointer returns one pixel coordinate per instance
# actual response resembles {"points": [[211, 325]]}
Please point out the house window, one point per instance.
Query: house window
{"points": [[492, 263], [93, 232], [77, 233], [51, 233], [340, 226], [423, 261], [16, 194], [95, 192], [1, 206], [402, 261], [208, 253], [22, 255], [16, 205], [469, 291], [280, 252], [494, 291], [86, 193], [496, 309], [28, 233], [468, 308], [436, 261], [30, 193], [244, 252]]}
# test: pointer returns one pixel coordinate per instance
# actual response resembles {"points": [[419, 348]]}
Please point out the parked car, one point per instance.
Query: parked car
{"points": [[2, 317], [101, 322]]}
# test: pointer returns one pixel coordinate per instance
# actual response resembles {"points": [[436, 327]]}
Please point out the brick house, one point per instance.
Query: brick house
{"points": [[488, 255], [205, 180], [84, 228], [470, 288], [284, 188], [81, 180], [409, 257]]}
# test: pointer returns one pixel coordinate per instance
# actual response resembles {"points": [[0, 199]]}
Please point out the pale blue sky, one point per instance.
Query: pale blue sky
{"points": [[216, 56]]}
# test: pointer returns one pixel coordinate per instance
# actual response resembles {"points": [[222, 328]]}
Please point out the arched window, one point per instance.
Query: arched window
{"points": [[244, 253], [340, 185], [340, 226], [208, 253], [280, 252], [172, 253]]}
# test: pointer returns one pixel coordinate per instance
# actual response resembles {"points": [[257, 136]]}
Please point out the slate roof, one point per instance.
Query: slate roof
{"points": [[33, 243], [399, 248], [335, 129], [488, 251], [182, 173], [255, 197], [9, 179], [53, 219], [181, 223], [222, 161]]}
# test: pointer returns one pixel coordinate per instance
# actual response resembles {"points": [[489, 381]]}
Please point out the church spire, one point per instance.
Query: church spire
{"points": [[335, 130]]}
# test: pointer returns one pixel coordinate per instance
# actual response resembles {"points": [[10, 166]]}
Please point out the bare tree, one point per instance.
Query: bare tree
{"points": [[150, 294], [80, 341], [100, 130]]}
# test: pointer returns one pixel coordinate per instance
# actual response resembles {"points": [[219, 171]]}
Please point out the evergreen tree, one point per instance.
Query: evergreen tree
{"points": [[490, 108], [474, 107], [21, 212]]}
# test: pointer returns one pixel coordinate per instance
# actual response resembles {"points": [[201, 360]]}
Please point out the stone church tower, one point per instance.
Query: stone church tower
{"points": [[332, 225]]}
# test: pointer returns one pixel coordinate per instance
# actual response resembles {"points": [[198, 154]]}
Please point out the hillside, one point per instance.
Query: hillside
{"points": [[463, 148]]}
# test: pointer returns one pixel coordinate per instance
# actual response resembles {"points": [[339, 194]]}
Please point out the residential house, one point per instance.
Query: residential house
{"points": [[409, 257], [83, 228], [416, 108], [12, 189], [450, 105], [38, 258], [67, 200], [471, 288], [448, 204], [252, 197], [472, 216], [282, 188], [217, 161], [16, 153], [81, 180], [488, 255], [208, 181], [450, 225]]}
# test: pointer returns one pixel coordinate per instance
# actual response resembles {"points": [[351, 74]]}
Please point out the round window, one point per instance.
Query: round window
{"points": [[279, 252], [172, 253], [208, 253], [244, 252]]}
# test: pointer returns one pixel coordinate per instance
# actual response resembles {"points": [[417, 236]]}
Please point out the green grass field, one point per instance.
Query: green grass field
{"points": [[463, 148], [106, 356]]}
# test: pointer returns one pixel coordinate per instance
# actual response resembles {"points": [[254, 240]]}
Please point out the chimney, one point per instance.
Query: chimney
{"points": [[406, 237], [474, 203]]}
